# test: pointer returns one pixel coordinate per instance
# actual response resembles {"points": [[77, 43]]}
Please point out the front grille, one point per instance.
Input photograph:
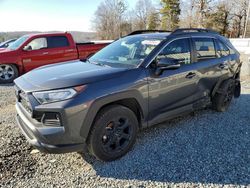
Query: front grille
{"points": [[23, 99], [17, 90]]}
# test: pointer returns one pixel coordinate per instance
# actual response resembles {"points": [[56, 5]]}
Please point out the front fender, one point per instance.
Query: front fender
{"points": [[12, 58], [112, 98]]}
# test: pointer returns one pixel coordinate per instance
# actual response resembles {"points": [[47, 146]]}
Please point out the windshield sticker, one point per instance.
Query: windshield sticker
{"points": [[151, 42]]}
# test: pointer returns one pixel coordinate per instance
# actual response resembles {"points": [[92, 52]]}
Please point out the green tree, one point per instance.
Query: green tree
{"points": [[170, 12], [219, 19]]}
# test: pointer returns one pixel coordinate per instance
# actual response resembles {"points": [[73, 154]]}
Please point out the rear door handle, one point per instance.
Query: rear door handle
{"points": [[222, 66], [190, 75], [45, 53]]}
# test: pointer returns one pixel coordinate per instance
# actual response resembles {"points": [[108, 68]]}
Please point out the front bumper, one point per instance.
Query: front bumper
{"points": [[47, 139]]}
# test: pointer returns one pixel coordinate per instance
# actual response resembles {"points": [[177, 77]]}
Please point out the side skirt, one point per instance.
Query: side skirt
{"points": [[200, 104]]}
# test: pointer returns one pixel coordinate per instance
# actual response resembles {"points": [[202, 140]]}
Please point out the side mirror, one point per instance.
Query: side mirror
{"points": [[166, 64], [27, 48]]}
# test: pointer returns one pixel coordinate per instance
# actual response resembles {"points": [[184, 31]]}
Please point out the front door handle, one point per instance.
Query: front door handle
{"points": [[70, 50], [190, 75], [45, 53]]}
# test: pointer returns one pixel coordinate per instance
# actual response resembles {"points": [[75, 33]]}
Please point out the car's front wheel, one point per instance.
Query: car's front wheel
{"points": [[224, 96], [113, 133], [8, 73]]}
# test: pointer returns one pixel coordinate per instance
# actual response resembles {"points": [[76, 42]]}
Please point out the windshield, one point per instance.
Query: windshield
{"points": [[127, 52], [15, 45]]}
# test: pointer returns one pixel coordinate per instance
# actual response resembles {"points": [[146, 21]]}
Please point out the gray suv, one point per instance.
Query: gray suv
{"points": [[138, 81]]}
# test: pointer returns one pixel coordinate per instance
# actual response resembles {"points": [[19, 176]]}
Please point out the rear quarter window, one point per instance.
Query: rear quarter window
{"points": [[221, 49], [57, 42]]}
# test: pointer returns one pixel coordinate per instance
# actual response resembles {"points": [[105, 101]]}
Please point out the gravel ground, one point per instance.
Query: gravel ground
{"points": [[204, 149]]}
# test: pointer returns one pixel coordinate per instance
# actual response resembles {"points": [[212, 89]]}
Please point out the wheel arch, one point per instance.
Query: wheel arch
{"points": [[131, 100], [17, 71]]}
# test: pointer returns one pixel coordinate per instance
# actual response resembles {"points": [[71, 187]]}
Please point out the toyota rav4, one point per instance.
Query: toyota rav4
{"points": [[137, 81]]}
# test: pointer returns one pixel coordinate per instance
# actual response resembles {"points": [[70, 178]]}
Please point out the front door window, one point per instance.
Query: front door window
{"points": [[179, 50], [37, 44]]}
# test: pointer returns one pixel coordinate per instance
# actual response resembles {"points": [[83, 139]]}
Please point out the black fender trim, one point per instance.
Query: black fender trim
{"points": [[112, 98], [235, 76], [217, 86], [237, 91]]}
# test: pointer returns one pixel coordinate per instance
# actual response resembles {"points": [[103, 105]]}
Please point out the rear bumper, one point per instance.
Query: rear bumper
{"points": [[37, 136]]}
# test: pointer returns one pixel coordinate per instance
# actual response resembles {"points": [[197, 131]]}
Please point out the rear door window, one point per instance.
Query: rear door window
{"points": [[58, 42], [205, 48]]}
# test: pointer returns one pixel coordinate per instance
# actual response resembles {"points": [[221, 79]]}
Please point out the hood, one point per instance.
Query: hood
{"points": [[4, 50], [65, 75]]}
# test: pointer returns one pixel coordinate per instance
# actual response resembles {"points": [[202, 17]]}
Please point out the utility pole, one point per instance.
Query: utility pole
{"points": [[247, 27]]}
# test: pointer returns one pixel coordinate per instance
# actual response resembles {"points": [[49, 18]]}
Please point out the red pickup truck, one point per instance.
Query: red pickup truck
{"points": [[35, 50]]}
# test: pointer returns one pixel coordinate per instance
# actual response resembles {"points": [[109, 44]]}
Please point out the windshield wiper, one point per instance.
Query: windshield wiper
{"points": [[97, 63], [85, 60], [94, 62]]}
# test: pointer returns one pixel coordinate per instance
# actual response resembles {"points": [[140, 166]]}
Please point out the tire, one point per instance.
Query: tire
{"points": [[113, 133], [8, 73], [222, 99]]}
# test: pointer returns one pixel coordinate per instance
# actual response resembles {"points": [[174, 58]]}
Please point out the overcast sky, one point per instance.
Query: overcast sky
{"points": [[47, 15]]}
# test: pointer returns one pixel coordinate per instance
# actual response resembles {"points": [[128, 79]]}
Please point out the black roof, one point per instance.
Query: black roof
{"points": [[148, 31], [153, 35], [181, 31]]}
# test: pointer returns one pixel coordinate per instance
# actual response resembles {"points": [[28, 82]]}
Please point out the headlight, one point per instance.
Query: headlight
{"points": [[44, 97]]}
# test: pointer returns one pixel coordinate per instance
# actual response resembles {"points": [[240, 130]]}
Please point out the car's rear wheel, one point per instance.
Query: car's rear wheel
{"points": [[113, 133], [222, 99], [8, 73]]}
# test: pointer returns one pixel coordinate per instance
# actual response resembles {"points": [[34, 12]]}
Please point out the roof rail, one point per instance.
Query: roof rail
{"points": [[190, 30], [147, 31]]}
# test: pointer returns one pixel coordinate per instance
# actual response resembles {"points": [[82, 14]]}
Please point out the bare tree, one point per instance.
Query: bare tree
{"points": [[239, 12], [225, 16], [154, 20], [109, 18], [142, 11], [187, 17], [247, 26], [113, 19], [203, 8]]}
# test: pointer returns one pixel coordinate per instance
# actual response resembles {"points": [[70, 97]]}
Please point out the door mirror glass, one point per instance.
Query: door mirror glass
{"points": [[168, 63]]}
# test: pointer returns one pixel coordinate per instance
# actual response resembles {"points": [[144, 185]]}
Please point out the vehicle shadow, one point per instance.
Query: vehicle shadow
{"points": [[7, 85], [205, 147]]}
